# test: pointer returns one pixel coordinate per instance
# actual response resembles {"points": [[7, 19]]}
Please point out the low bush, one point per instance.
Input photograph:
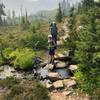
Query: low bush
{"points": [[26, 90], [8, 82], [1, 60], [22, 58], [35, 41]]}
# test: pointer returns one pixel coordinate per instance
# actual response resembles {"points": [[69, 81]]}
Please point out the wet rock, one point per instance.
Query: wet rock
{"points": [[63, 73], [49, 66], [58, 84], [73, 67], [69, 82], [53, 76], [61, 65]]}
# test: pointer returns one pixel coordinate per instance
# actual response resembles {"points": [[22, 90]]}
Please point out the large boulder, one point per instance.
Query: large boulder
{"points": [[69, 82], [49, 66], [53, 76], [73, 67], [58, 84], [61, 65]]}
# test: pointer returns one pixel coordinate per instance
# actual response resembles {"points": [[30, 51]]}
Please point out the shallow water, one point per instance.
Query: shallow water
{"points": [[64, 73]]}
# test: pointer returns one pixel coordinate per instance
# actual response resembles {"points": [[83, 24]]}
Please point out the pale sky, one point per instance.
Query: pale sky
{"points": [[32, 6]]}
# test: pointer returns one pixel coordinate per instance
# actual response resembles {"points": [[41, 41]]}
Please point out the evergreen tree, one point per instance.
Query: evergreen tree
{"points": [[9, 19], [88, 3], [59, 14], [86, 48], [73, 36], [13, 17], [26, 19], [23, 23], [2, 13]]}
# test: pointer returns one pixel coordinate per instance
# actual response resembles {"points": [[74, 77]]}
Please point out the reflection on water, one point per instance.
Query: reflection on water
{"points": [[64, 73]]}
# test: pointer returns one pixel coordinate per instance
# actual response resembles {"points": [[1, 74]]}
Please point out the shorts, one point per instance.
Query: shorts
{"points": [[52, 52]]}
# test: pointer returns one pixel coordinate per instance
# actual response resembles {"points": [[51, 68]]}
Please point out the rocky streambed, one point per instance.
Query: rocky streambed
{"points": [[57, 77]]}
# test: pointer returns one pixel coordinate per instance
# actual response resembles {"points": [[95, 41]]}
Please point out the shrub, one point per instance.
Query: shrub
{"points": [[1, 60], [35, 40], [38, 40], [33, 28], [8, 82], [26, 90], [39, 92], [23, 58]]}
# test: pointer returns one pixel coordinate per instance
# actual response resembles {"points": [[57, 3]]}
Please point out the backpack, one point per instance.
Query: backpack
{"points": [[54, 31]]}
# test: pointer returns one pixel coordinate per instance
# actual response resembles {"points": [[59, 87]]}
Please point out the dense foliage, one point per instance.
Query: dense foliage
{"points": [[84, 44], [59, 14], [2, 13], [13, 38]]}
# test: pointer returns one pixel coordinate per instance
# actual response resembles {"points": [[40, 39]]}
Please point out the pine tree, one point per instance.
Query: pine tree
{"points": [[26, 19], [13, 17], [9, 19], [1, 12], [59, 14], [23, 23], [87, 4]]}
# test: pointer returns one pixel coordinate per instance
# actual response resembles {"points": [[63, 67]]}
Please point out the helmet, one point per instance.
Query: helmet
{"points": [[49, 36]]}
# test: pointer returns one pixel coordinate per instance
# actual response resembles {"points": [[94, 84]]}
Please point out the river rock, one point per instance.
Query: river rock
{"points": [[61, 65], [58, 84], [73, 67], [49, 66], [69, 82], [53, 76]]}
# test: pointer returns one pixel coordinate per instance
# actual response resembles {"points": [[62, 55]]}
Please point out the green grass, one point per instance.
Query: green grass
{"points": [[23, 90]]}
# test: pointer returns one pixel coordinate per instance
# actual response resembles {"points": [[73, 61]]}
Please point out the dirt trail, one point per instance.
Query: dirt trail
{"points": [[61, 96]]}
